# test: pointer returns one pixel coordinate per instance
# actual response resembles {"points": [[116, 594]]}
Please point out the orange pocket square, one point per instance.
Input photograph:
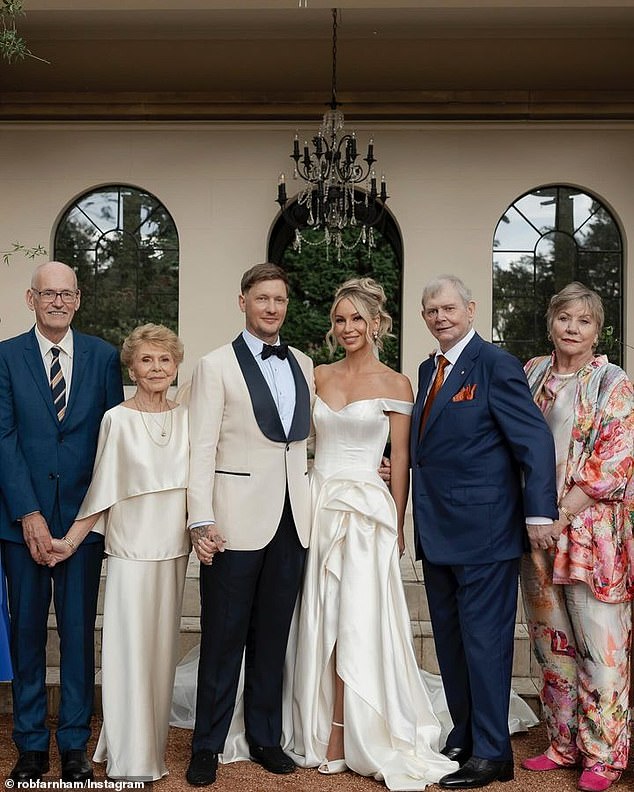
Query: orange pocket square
{"points": [[465, 394]]}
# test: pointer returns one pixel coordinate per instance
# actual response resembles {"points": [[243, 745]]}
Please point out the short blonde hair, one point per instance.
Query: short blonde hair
{"points": [[152, 334], [368, 298], [576, 292]]}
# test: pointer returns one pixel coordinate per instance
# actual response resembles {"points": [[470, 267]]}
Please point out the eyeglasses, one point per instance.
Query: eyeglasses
{"points": [[50, 295]]}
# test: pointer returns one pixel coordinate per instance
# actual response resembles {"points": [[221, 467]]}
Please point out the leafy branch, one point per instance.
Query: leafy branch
{"points": [[12, 46], [29, 252]]}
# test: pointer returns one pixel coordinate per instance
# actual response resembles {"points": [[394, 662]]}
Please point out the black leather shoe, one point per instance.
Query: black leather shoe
{"points": [[76, 766], [478, 773], [459, 755], [31, 766], [272, 759], [202, 768]]}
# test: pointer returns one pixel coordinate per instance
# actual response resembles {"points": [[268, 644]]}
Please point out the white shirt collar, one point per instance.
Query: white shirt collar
{"points": [[456, 350], [254, 343], [66, 344]]}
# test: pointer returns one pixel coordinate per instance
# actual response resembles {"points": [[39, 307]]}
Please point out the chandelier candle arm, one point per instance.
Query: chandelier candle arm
{"points": [[339, 192]]}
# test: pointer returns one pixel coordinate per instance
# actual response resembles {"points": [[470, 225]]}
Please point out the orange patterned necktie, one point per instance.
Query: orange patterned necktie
{"points": [[435, 387]]}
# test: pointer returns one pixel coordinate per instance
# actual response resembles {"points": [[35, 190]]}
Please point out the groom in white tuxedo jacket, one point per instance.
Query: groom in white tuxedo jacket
{"points": [[249, 514]]}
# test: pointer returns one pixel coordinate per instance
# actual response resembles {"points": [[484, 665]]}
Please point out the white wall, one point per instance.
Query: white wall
{"points": [[449, 184]]}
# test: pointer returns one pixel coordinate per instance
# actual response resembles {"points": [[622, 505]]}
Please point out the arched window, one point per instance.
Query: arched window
{"points": [[314, 273], [545, 239], [123, 244]]}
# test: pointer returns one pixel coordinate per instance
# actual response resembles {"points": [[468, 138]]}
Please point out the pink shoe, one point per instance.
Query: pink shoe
{"points": [[597, 778], [541, 763]]}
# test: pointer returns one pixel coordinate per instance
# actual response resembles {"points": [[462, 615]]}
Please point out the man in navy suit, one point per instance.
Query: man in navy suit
{"points": [[55, 385], [483, 470]]}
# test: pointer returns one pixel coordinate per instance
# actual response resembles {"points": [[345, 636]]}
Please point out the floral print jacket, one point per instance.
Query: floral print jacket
{"points": [[598, 547]]}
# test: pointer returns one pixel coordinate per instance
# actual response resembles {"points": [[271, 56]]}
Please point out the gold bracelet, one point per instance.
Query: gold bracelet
{"points": [[70, 543], [567, 513]]}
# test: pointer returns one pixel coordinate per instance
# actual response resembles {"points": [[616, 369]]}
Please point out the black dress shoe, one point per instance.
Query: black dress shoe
{"points": [[202, 768], [272, 759], [76, 766], [478, 773], [459, 755], [31, 766]]}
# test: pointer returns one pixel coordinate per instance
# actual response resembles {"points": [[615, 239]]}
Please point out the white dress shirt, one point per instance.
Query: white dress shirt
{"points": [[278, 376], [65, 356]]}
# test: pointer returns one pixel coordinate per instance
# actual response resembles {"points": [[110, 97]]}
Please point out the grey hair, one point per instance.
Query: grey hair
{"points": [[434, 286]]}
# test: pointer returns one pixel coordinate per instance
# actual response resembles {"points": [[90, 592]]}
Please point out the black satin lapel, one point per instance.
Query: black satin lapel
{"points": [[300, 428], [264, 409], [33, 358]]}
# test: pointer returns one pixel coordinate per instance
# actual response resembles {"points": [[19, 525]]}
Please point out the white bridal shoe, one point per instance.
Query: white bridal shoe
{"points": [[333, 766]]}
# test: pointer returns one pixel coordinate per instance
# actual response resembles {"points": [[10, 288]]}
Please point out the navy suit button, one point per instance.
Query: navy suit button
{"points": [[60, 439], [52, 476]]}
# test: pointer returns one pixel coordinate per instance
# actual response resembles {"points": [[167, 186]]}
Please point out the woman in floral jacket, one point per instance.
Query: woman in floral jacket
{"points": [[578, 581]]}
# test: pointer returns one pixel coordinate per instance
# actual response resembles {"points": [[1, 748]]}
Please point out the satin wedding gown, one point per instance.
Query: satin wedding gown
{"points": [[395, 715], [353, 600]]}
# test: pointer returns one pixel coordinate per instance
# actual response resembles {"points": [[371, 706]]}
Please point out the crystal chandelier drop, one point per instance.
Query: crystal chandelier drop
{"points": [[340, 192]]}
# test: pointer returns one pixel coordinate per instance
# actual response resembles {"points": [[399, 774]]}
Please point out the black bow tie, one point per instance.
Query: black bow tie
{"points": [[281, 350]]}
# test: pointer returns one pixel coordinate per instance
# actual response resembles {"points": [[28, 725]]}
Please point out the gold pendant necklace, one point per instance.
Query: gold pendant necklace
{"points": [[165, 434]]}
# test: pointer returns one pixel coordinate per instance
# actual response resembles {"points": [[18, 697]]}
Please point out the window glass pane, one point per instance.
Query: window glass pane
{"points": [[540, 209], [102, 208], [578, 240], [123, 244], [514, 232]]}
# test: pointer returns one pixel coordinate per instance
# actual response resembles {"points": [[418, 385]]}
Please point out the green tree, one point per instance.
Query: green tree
{"points": [[314, 276], [12, 46], [123, 244], [580, 242]]}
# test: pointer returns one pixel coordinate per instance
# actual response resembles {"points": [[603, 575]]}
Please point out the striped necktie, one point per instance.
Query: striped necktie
{"points": [[58, 384], [435, 387]]}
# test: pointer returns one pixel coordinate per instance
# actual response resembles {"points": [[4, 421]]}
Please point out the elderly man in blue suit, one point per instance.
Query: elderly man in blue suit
{"points": [[483, 470], [56, 384]]}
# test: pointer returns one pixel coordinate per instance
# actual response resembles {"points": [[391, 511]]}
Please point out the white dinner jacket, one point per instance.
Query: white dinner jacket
{"points": [[237, 475]]}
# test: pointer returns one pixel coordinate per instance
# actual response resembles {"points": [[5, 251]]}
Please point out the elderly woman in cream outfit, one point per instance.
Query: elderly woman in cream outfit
{"points": [[137, 498]]}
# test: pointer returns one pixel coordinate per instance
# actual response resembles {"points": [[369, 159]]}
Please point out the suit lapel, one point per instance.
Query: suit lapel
{"points": [[300, 427], [455, 380], [80, 359], [425, 374], [35, 364], [264, 409]]}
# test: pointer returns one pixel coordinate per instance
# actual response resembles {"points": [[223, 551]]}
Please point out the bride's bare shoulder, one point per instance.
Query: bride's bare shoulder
{"points": [[325, 373], [397, 385]]}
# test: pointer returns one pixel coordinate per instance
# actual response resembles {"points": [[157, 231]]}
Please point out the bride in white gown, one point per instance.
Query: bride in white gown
{"points": [[358, 696], [355, 697]]}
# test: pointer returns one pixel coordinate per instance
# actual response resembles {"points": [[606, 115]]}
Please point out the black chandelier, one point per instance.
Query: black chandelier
{"points": [[340, 192]]}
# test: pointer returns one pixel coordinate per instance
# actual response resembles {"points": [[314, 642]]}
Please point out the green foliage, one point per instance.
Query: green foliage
{"points": [[313, 278], [524, 282], [28, 252], [12, 46], [123, 244]]}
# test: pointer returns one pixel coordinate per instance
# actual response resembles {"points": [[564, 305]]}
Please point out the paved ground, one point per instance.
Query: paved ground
{"points": [[249, 777]]}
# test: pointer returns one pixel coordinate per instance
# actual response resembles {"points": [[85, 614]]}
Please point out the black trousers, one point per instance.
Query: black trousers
{"points": [[247, 603]]}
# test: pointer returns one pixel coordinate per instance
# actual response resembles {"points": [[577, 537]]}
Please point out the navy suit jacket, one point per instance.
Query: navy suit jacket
{"points": [[42, 460], [483, 463]]}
